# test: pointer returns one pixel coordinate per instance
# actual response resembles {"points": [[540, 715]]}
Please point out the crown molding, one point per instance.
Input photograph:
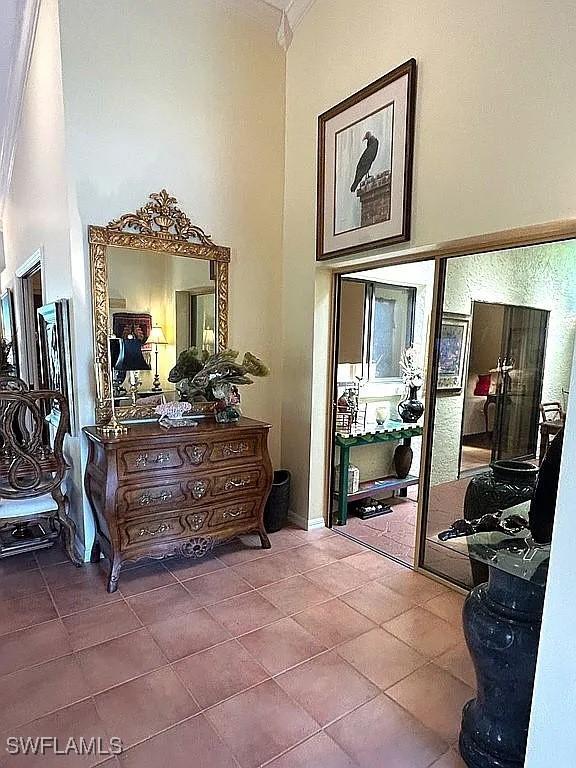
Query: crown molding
{"points": [[296, 11], [17, 78], [291, 17], [272, 14]]}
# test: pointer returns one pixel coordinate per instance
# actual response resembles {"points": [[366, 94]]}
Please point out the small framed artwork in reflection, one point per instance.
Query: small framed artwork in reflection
{"points": [[453, 352]]}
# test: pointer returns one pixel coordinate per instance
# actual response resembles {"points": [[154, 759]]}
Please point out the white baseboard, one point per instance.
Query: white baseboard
{"points": [[306, 523]]}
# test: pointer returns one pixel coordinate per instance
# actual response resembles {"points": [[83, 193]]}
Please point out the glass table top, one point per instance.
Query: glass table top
{"points": [[518, 554]]}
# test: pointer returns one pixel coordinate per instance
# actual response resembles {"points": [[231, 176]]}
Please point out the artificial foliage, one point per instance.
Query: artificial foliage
{"points": [[412, 374], [201, 376]]}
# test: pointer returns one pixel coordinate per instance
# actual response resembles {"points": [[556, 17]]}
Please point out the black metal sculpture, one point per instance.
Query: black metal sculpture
{"points": [[492, 522]]}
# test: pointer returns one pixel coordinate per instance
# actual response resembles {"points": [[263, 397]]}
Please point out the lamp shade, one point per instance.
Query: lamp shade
{"points": [[131, 357], [156, 336]]}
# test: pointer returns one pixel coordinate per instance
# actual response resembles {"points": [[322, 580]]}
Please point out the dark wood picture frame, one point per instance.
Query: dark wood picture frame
{"points": [[55, 353], [407, 70], [8, 327]]}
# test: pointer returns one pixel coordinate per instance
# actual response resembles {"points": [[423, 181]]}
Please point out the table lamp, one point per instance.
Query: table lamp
{"points": [[156, 337], [131, 360]]}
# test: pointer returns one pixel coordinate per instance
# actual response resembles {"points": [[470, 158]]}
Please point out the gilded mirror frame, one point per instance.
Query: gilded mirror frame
{"points": [[162, 227]]}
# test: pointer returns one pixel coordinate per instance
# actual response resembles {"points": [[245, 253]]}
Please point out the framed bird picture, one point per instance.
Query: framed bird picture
{"points": [[365, 147]]}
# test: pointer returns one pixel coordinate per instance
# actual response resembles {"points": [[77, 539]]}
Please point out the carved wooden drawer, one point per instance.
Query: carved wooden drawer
{"points": [[234, 450], [236, 481], [159, 457], [140, 532], [228, 514], [148, 498]]}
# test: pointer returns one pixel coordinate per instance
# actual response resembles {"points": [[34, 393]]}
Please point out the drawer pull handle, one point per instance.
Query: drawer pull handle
{"points": [[142, 460], [154, 531], [199, 489], [197, 521], [233, 512], [236, 482], [197, 454], [149, 498], [233, 449]]}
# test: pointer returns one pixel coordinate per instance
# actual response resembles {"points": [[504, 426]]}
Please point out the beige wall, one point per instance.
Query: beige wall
{"points": [[493, 150]]}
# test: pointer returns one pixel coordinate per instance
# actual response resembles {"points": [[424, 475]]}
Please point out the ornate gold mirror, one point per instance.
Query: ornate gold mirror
{"points": [[159, 286]]}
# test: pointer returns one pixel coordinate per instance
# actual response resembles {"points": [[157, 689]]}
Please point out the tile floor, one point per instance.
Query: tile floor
{"points": [[314, 654], [393, 533]]}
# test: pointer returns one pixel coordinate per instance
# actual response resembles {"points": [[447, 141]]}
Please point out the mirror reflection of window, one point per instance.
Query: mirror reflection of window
{"points": [[376, 325], [391, 330]]}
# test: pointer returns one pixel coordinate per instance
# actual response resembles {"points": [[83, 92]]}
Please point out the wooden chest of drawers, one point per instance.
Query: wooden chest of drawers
{"points": [[157, 492]]}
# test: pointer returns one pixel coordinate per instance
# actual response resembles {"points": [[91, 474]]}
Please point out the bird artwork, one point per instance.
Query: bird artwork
{"points": [[366, 160]]}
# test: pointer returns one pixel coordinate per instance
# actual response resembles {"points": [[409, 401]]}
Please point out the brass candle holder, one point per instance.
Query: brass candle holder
{"points": [[114, 428]]}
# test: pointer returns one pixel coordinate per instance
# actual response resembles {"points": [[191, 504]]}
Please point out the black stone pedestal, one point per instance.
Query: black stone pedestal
{"points": [[502, 628]]}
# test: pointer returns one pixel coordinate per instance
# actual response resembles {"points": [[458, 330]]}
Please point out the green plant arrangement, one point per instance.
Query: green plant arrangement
{"points": [[6, 367], [201, 377]]}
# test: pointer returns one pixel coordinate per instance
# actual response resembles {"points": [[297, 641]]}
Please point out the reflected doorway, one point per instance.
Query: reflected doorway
{"points": [[32, 293], [503, 386]]}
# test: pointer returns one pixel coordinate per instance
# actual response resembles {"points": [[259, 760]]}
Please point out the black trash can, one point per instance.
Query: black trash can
{"points": [[277, 506]]}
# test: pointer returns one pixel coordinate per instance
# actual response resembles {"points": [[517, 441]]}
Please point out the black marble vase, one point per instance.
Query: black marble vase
{"points": [[411, 409], [506, 483], [502, 627]]}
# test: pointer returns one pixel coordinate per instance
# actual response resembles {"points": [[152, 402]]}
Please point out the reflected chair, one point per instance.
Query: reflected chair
{"points": [[33, 502], [553, 416], [552, 411]]}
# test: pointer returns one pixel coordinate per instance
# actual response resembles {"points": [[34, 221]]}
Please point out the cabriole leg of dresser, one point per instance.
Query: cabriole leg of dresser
{"points": [[264, 540], [114, 574]]}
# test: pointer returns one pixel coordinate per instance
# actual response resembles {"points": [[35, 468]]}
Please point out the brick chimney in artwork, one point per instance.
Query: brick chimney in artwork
{"points": [[374, 194]]}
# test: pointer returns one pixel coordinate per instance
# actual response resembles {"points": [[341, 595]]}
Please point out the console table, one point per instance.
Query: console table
{"points": [[502, 628], [390, 431], [158, 492]]}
